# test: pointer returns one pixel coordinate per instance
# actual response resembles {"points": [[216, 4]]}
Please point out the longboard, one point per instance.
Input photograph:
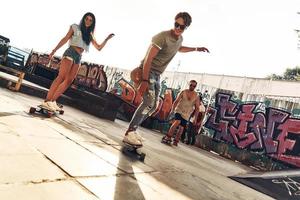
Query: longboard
{"points": [[44, 111], [131, 150]]}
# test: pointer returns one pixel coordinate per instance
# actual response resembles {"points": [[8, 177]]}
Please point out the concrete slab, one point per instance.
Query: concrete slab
{"points": [[73, 158], [70, 131], [122, 187], [29, 126], [46, 191], [26, 168], [112, 155], [92, 127], [176, 185], [12, 144]]}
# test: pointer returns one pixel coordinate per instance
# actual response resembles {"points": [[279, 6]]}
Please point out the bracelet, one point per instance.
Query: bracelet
{"points": [[144, 80], [196, 49]]}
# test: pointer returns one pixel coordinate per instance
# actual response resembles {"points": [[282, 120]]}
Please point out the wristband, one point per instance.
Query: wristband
{"points": [[144, 80], [196, 49]]}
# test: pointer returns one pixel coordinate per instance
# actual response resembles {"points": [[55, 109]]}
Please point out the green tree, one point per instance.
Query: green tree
{"points": [[291, 74]]}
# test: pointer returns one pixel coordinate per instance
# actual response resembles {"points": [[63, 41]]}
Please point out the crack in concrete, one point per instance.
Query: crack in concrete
{"points": [[75, 178]]}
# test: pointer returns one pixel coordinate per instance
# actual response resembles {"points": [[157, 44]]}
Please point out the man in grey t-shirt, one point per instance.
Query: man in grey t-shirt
{"points": [[163, 48]]}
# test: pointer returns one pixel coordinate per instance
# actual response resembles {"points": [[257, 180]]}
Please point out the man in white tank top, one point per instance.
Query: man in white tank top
{"points": [[185, 104]]}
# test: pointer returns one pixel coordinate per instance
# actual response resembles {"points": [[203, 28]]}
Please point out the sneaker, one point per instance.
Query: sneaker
{"points": [[131, 138], [175, 143], [48, 105], [166, 139], [54, 105]]}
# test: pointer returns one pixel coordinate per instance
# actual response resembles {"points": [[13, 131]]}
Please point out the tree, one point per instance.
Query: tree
{"points": [[290, 74]]}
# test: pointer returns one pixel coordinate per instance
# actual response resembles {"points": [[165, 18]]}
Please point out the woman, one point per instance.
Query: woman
{"points": [[79, 37]]}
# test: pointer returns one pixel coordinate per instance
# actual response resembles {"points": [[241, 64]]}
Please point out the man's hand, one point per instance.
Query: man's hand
{"points": [[203, 49], [144, 86]]}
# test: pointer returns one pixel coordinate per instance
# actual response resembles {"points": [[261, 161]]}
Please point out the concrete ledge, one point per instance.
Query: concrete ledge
{"points": [[103, 105]]}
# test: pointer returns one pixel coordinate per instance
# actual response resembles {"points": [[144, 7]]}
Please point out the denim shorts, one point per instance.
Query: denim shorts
{"points": [[179, 117], [72, 54]]}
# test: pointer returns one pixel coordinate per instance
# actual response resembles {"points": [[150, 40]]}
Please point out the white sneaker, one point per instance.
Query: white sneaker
{"points": [[54, 105], [131, 138], [47, 105]]}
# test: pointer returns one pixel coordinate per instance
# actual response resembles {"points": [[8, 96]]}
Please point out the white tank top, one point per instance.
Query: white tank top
{"points": [[185, 106]]}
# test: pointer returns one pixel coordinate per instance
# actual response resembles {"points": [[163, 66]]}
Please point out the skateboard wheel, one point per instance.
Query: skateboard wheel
{"points": [[49, 114], [142, 157], [32, 110], [61, 112]]}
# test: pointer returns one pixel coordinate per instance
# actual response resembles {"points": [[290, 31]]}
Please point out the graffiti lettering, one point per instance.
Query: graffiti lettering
{"points": [[272, 132]]}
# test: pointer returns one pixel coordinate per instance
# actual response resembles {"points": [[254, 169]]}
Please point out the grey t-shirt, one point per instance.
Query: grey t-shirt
{"points": [[168, 46]]}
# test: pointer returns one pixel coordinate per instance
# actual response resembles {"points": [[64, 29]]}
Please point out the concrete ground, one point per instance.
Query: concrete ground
{"points": [[77, 156]]}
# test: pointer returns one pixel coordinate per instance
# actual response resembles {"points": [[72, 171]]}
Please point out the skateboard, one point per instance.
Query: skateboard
{"points": [[131, 150], [44, 111], [166, 141]]}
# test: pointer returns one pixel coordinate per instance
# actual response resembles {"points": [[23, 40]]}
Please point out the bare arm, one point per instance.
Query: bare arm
{"points": [[151, 53], [184, 49], [177, 100], [63, 41], [197, 105], [100, 46]]}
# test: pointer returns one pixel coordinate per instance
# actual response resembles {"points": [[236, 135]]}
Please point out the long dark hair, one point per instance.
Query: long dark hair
{"points": [[86, 32]]}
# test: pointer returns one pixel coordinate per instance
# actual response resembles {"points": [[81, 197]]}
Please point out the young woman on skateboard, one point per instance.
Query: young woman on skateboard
{"points": [[80, 36]]}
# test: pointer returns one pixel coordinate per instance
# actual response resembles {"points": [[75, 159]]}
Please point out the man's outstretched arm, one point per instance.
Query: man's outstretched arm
{"points": [[184, 49]]}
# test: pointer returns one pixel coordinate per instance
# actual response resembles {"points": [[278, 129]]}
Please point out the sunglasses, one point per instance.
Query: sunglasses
{"points": [[192, 85], [179, 26]]}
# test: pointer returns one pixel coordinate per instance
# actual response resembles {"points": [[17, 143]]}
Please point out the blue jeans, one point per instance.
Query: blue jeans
{"points": [[148, 105]]}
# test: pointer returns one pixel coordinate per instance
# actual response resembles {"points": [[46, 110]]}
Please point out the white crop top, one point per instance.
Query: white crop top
{"points": [[76, 39]]}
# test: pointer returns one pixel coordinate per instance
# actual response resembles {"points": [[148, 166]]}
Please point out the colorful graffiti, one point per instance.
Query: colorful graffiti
{"points": [[128, 93], [273, 132], [90, 75]]}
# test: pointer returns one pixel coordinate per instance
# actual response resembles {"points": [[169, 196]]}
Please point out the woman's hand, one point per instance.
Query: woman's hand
{"points": [[110, 36]]}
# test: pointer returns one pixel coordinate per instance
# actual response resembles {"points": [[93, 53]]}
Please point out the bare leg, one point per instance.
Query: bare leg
{"points": [[65, 67], [178, 135], [173, 128], [67, 82]]}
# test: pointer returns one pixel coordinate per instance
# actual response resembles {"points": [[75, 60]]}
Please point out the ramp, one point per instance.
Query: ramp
{"points": [[283, 185]]}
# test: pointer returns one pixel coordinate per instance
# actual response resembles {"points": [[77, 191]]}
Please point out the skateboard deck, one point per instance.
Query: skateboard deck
{"points": [[131, 150], [44, 111]]}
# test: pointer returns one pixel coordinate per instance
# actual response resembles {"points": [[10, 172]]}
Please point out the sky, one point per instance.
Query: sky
{"points": [[253, 38]]}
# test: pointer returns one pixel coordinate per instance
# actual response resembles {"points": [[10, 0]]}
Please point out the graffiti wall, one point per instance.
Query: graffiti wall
{"points": [[270, 131], [90, 75]]}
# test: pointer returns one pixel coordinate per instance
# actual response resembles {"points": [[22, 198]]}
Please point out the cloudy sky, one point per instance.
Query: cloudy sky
{"points": [[252, 38]]}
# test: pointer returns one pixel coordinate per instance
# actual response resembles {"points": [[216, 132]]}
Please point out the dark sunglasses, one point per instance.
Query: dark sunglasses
{"points": [[192, 85], [181, 27]]}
